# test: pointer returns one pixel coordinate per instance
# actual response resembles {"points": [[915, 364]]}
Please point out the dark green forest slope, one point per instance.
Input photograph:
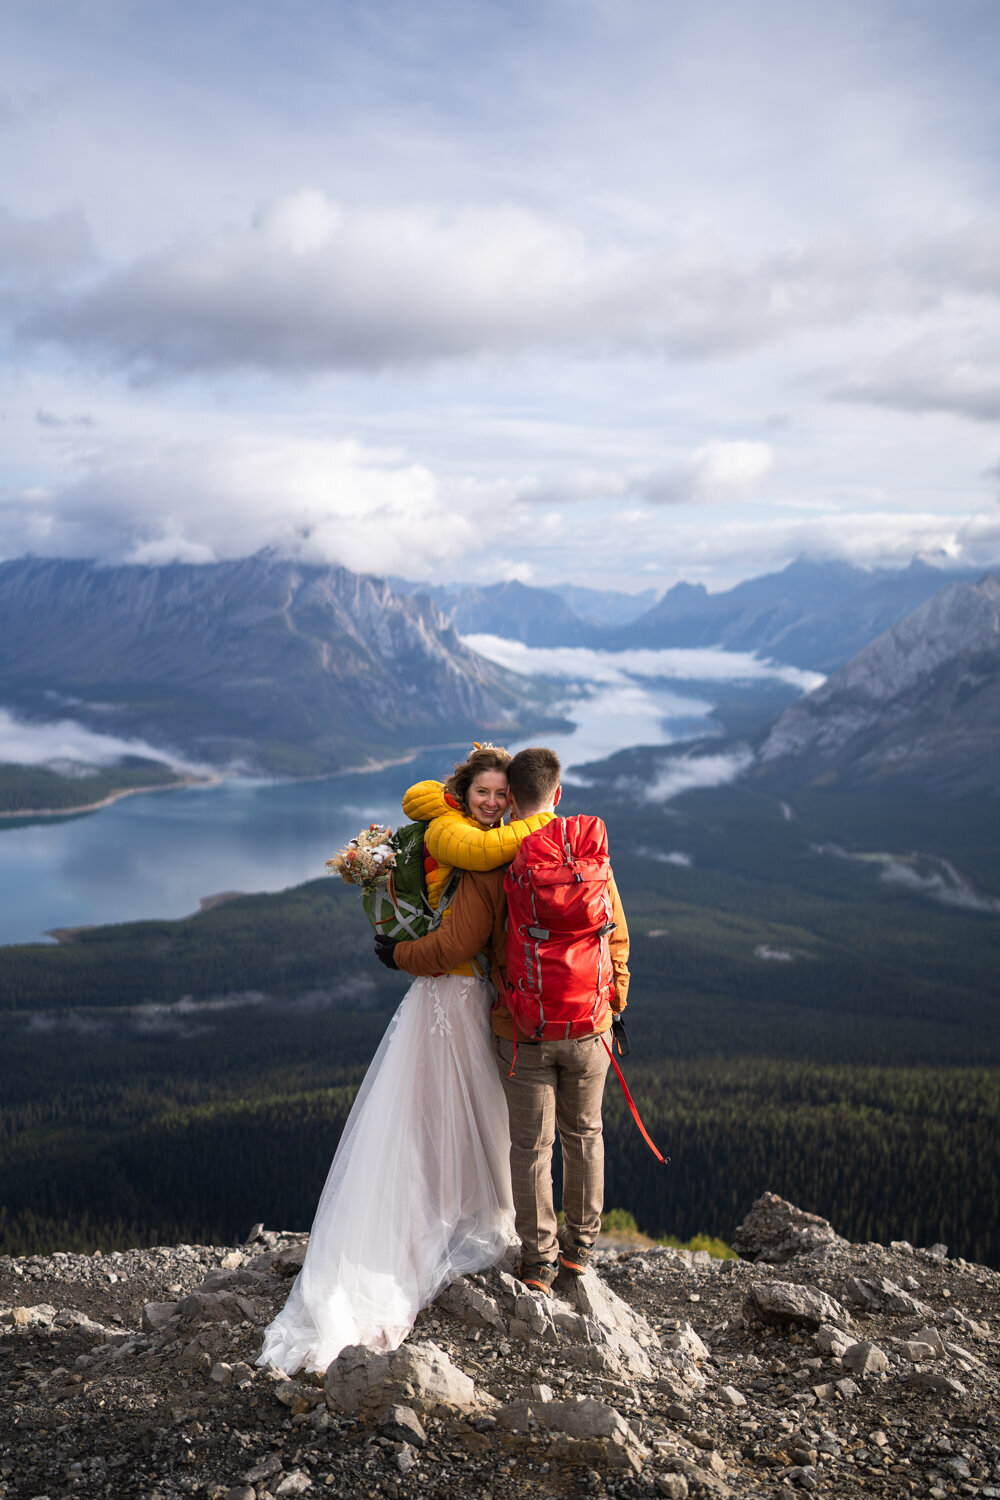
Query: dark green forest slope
{"points": [[813, 1011]]}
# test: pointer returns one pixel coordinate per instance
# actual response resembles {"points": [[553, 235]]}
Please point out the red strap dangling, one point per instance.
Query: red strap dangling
{"points": [[631, 1104]]}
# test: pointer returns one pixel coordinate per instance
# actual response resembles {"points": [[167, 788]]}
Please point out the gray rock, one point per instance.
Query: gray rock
{"points": [[917, 1352], [295, 1483], [848, 1388], [39, 1316], [865, 1358], [932, 1337], [156, 1315], [402, 1425], [831, 1340], [625, 1332], [463, 1299], [215, 1307], [732, 1397], [582, 1419], [265, 1468], [673, 1486], [417, 1375], [70, 1317], [877, 1294], [968, 1325], [775, 1230], [596, 1357], [406, 1459], [533, 1318], [790, 1302], [930, 1380], [682, 1337], [289, 1262]]}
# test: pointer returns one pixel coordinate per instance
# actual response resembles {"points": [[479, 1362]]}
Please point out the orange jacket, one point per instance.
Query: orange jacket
{"points": [[476, 922]]}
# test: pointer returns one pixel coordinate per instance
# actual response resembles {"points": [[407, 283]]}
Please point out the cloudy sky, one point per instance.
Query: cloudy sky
{"points": [[610, 291]]}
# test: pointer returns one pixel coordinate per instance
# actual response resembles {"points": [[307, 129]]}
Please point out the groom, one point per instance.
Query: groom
{"points": [[555, 1083]]}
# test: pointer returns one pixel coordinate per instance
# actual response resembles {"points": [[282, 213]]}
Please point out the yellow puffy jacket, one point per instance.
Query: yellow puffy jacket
{"points": [[454, 840]]}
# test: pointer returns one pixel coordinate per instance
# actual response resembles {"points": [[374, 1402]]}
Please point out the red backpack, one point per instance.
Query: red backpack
{"points": [[559, 977]]}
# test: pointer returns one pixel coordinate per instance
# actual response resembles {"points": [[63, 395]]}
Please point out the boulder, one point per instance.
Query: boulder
{"points": [[71, 1317], [791, 1302], [775, 1230], [215, 1307], [866, 1358], [41, 1315], [419, 1375], [595, 1430], [930, 1380], [156, 1315], [877, 1294]]}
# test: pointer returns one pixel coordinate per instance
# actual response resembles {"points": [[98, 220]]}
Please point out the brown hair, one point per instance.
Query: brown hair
{"points": [[483, 758], [533, 776]]}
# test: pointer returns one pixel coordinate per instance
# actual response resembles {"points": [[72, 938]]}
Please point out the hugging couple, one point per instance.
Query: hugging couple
{"points": [[446, 1155]]}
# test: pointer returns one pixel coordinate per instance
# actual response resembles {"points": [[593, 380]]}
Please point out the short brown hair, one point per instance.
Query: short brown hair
{"points": [[483, 758], [533, 776]]}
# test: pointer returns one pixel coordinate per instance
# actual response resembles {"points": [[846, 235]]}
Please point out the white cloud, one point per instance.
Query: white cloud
{"points": [[949, 888], [685, 773], [667, 857], [718, 471], [579, 663], [31, 744], [940, 373], [42, 250], [229, 495], [514, 286], [314, 284]]}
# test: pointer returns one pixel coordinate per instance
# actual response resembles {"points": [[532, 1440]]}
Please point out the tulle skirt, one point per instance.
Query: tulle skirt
{"points": [[419, 1188]]}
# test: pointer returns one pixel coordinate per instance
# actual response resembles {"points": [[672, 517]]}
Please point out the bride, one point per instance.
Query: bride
{"points": [[419, 1188]]}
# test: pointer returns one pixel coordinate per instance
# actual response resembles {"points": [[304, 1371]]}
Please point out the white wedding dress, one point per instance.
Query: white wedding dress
{"points": [[419, 1188]]}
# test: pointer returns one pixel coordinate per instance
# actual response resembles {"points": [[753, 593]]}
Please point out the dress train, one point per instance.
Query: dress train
{"points": [[419, 1188]]}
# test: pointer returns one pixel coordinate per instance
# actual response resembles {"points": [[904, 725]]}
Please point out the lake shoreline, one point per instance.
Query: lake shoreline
{"points": [[186, 782], [126, 791]]}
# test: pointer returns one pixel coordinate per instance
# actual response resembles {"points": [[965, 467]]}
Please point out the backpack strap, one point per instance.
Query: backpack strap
{"points": [[631, 1104]]}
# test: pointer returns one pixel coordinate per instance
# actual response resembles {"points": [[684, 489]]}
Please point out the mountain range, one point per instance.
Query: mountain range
{"points": [[919, 705], [260, 664], [265, 665], [815, 615]]}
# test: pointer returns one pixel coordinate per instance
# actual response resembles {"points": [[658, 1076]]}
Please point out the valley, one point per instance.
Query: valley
{"points": [[166, 1076], [815, 935]]}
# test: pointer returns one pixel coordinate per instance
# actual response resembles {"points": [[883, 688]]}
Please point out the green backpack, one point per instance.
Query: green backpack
{"points": [[399, 907]]}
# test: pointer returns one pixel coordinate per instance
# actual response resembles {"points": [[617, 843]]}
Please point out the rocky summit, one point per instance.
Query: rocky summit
{"points": [[816, 1366]]}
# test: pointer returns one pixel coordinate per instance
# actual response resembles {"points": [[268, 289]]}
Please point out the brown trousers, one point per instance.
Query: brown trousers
{"points": [[555, 1084]]}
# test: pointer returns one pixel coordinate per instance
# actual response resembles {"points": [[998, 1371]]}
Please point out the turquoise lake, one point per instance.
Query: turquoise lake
{"points": [[159, 855]]}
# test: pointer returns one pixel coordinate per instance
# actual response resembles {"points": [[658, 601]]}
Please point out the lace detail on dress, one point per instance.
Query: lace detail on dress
{"points": [[442, 1025]]}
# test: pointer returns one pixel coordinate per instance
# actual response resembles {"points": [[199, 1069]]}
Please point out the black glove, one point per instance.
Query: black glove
{"points": [[619, 1037], [385, 948]]}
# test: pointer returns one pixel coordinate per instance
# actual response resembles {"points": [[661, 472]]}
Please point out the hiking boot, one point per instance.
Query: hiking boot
{"points": [[575, 1258], [538, 1277]]}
